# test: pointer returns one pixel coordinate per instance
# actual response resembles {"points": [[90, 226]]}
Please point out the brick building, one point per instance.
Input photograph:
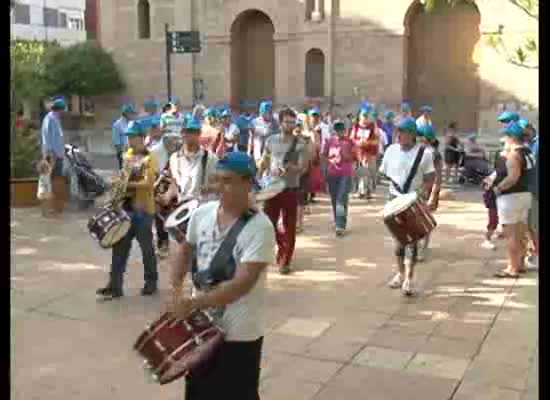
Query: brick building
{"points": [[337, 50]]}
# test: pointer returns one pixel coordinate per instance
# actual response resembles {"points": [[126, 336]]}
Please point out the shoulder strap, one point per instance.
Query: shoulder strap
{"points": [[414, 168], [291, 150], [204, 161]]}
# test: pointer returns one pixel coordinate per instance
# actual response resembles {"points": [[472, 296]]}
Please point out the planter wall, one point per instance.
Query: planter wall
{"points": [[23, 192]]}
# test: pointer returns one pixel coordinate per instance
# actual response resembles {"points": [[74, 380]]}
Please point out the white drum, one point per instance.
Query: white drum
{"points": [[177, 221]]}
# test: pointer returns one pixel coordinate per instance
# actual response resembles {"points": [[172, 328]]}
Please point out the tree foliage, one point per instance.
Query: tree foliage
{"points": [[83, 69], [24, 152], [522, 50]]}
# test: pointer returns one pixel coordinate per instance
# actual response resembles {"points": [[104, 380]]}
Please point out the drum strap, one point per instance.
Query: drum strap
{"points": [[290, 151], [204, 161], [222, 267], [412, 173]]}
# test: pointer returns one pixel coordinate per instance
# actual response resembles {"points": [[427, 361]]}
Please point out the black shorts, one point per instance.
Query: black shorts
{"points": [[232, 373], [303, 190], [451, 157], [57, 167]]}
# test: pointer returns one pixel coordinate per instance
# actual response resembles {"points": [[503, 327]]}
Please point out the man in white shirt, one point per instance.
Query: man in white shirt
{"points": [[230, 132], [262, 127], [425, 118], [396, 165], [235, 297]]}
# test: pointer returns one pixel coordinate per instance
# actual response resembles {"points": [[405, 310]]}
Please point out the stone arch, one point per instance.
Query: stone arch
{"points": [[252, 57], [439, 62], [315, 73], [144, 19]]}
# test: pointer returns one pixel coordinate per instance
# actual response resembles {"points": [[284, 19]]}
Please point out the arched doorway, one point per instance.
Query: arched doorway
{"points": [[315, 73], [252, 57], [144, 19], [441, 70]]}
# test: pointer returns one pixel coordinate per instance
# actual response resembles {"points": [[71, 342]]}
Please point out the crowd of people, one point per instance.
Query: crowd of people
{"points": [[221, 158]]}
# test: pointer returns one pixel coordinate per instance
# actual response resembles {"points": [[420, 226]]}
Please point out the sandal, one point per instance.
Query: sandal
{"points": [[505, 274]]}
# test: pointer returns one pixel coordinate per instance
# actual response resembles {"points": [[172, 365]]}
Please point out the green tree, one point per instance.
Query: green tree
{"points": [[83, 69], [522, 50]]}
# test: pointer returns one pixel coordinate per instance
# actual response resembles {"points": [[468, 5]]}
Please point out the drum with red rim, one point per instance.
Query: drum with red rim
{"points": [[172, 348]]}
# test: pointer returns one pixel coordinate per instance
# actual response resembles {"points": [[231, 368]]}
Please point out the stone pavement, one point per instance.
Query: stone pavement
{"points": [[334, 330]]}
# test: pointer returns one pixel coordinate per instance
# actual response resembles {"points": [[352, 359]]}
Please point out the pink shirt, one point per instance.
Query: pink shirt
{"points": [[339, 151]]}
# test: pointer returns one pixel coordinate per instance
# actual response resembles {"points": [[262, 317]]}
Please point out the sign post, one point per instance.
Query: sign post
{"points": [[179, 42]]}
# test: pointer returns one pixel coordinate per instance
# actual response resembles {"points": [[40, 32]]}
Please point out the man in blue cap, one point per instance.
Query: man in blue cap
{"points": [[230, 131], [53, 149], [235, 298], [244, 123], [532, 139], [154, 133], [211, 135], [120, 141], [425, 117], [388, 127], [171, 118], [262, 127], [191, 168], [151, 107], [397, 166], [508, 116], [140, 206]]}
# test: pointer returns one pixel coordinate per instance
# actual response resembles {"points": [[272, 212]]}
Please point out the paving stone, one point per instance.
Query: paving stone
{"points": [[455, 348], [380, 357], [468, 391], [333, 348], [488, 373], [303, 327], [303, 369], [282, 388], [437, 365], [404, 341], [462, 330]]}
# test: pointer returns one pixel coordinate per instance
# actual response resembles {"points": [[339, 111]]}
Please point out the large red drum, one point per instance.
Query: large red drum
{"points": [[172, 348], [408, 219]]}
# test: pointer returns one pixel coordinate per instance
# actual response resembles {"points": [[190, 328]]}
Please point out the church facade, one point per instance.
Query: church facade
{"points": [[331, 52]]}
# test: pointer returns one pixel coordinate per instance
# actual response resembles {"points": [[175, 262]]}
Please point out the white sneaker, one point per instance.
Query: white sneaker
{"points": [[408, 287], [421, 255], [487, 244], [532, 263], [396, 282]]}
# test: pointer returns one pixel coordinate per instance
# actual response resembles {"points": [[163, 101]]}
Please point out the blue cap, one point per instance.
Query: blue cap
{"points": [[365, 110], [426, 108], [128, 109], [427, 131], [512, 129], [314, 111], [243, 122], [151, 103], [59, 103], [265, 107], [155, 120], [192, 125], [339, 125], [225, 113], [135, 128], [210, 112], [523, 123], [374, 114], [508, 116], [405, 106], [389, 114], [238, 162], [407, 124]]}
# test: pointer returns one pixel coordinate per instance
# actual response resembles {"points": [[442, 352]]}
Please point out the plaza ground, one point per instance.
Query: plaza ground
{"points": [[334, 330]]}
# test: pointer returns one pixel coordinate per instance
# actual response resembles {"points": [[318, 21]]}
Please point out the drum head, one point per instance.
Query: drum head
{"points": [[182, 213], [270, 189], [399, 204], [116, 232]]}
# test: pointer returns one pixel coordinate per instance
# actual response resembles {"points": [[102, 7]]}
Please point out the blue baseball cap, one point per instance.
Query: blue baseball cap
{"points": [[238, 162], [192, 125], [508, 116], [407, 125], [427, 131], [136, 128], [405, 106], [225, 113], [128, 109], [389, 114], [151, 103], [59, 103], [210, 112], [265, 107], [314, 111], [425, 108], [338, 125], [523, 123], [512, 129]]}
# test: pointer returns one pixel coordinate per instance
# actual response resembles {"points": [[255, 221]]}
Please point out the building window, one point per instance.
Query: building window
{"points": [[51, 17], [22, 14], [76, 24], [315, 10], [144, 20], [62, 20], [315, 73]]}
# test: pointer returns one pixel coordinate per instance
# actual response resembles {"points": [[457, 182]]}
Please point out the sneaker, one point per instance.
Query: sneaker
{"points": [[532, 263], [396, 282], [149, 290], [108, 293], [284, 269], [487, 244], [340, 231], [408, 287]]}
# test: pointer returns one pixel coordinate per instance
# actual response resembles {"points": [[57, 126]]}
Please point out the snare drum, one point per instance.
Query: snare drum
{"points": [[176, 223], [172, 348], [109, 226], [408, 219]]}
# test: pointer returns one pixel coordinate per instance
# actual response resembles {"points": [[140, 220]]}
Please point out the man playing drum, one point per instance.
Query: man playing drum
{"points": [[140, 208], [396, 165], [283, 157], [235, 303]]}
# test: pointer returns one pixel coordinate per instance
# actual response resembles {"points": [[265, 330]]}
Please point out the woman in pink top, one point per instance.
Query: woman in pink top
{"points": [[338, 152]]}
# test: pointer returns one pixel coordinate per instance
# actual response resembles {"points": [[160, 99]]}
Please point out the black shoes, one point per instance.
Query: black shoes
{"points": [[108, 292], [149, 290]]}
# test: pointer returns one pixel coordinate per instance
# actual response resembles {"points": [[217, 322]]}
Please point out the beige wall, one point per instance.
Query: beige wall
{"points": [[370, 44]]}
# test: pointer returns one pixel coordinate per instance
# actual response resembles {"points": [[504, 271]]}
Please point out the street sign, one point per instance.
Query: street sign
{"points": [[181, 42]]}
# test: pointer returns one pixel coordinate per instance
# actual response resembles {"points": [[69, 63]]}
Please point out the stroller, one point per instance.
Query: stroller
{"points": [[474, 170], [86, 184]]}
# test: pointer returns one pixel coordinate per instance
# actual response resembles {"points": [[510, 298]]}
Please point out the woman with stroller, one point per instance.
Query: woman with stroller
{"points": [[452, 152], [476, 166]]}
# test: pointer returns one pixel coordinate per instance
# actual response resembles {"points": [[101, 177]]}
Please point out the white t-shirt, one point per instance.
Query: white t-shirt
{"points": [[241, 320], [161, 155], [398, 163], [188, 172]]}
